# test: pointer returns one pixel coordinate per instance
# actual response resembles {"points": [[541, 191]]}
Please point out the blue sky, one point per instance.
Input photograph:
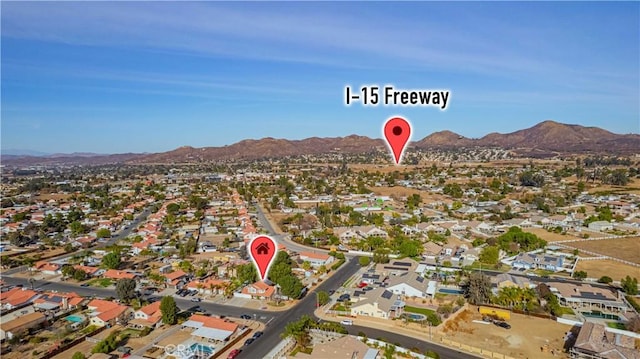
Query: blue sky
{"points": [[153, 76]]}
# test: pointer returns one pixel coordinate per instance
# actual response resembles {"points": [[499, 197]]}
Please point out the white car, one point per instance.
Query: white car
{"points": [[346, 322]]}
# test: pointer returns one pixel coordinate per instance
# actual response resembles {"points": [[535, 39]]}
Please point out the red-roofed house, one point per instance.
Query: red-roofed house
{"points": [[91, 271], [210, 286], [105, 312], [17, 297], [257, 290], [47, 268], [174, 277], [54, 302], [316, 259], [118, 274], [148, 316], [210, 329]]}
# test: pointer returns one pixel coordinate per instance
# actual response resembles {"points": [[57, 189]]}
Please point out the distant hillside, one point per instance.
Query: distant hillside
{"points": [[266, 147], [546, 138]]}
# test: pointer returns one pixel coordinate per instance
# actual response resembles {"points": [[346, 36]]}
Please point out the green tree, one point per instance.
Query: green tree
{"points": [[78, 355], [629, 285], [68, 248], [477, 290], [111, 260], [381, 256], [323, 297], [247, 273], [169, 310], [605, 279], [103, 233], [79, 275], [126, 289], [364, 261], [291, 286], [173, 208], [580, 275], [298, 330], [490, 255]]}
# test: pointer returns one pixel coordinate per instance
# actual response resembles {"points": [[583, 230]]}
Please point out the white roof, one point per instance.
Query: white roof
{"points": [[210, 333], [431, 287]]}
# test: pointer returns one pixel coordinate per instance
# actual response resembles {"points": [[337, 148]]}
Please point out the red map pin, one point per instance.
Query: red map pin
{"points": [[262, 250], [397, 132]]}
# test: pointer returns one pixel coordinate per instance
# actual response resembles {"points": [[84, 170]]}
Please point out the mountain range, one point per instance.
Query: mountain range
{"points": [[546, 137]]}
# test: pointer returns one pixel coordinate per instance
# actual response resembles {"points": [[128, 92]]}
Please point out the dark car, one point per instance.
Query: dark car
{"points": [[257, 335], [504, 325], [248, 341], [245, 316], [84, 284]]}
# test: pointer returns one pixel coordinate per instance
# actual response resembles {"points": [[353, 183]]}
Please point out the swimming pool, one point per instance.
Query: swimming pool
{"points": [[415, 316], [600, 315], [75, 318], [450, 291], [200, 348]]}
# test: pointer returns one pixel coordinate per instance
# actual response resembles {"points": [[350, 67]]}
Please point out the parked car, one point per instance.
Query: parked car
{"points": [[84, 284], [257, 335], [501, 324], [346, 322], [196, 299], [234, 353], [245, 316], [248, 341]]}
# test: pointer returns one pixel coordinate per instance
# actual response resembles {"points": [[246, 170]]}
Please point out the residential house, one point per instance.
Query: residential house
{"points": [[47, 268], [55, 302], [118, 274], [21, 324], [408, 285], [431, 249], [378, 303], [107, 313], [587, 297], [601, 226], [148, 316], [209, 286], [174, 278], [17, 297], [538, 261], [397, 267], [257, 290], [595, 341], [346, 347], [504, 280], [345, 234], [317, 259], [210, 329], [91, 271]]}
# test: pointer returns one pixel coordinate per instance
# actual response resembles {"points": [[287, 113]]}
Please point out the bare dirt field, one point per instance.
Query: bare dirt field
{"points": [[549, 236], [398, 191], [613, 269], [526, 338], [621, 248], [53, 196]]}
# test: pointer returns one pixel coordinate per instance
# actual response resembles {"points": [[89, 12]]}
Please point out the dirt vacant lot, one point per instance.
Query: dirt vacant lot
{"points": [[613, 269], [621, 248], [549, 236], [524, 340]]}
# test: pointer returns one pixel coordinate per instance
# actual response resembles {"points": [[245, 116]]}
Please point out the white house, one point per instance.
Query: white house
{"points": [[316, 259], [408, 285], [601, 226]]}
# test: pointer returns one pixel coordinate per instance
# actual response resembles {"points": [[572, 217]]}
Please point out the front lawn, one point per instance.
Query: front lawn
{"points": [[100, 282], [616, 325]]}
